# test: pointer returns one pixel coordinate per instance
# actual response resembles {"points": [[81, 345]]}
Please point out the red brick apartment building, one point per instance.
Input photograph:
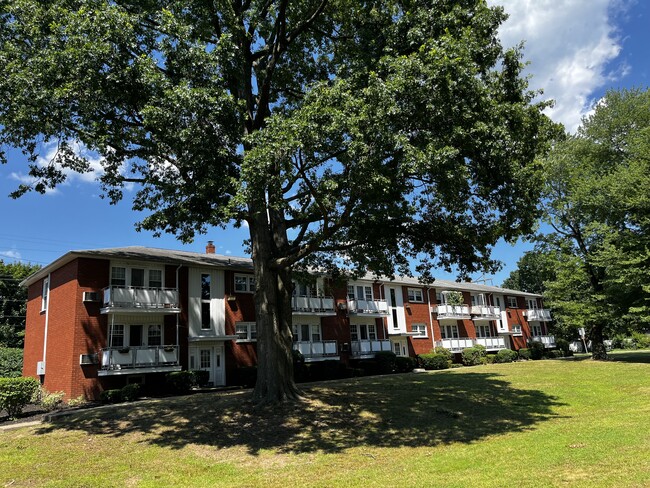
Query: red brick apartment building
{"points": [[100, 319]]}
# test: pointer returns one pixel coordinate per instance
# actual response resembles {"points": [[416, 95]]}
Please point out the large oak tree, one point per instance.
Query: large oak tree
{"points": [[342, 132]]}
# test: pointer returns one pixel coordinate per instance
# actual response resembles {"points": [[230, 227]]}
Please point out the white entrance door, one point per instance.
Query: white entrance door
{"points": [[211, 359]]}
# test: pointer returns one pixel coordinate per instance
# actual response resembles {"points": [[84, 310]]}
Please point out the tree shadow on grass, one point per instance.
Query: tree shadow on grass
{"points": [[634, 356], [390, 411]]}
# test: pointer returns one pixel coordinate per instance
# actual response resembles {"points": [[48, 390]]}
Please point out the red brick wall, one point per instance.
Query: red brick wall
{"points": [[418, 313], [74, 328]]}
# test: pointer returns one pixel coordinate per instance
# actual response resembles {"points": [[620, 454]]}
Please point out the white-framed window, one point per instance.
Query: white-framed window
{"points": [[136, 276], [204, 358], [307, 333], [516, 329], [360, 292], [118, 276], [512, 302], [532, 304], [244, 283], [497, 301], [420, 330], [536, 330], [449, 331], [246, 331], [117, 335], [154, 335], [206, 296], [483, 331], [438, 297], [45, 295], [478, 300], [415, 295], [155, 278], [363, 332]]}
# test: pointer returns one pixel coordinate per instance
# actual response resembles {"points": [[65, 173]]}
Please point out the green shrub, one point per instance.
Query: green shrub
{"points": [[405, 364], [324, 370], [11, 362], [524, 353], [15, 393], [200, 377], [77, 402], [369, 367], [130, 393], [455, 365], [536, 350], [642, 341], [386, 362], [505, 356], [110, 396], [179, 381], [473, 356], [563, 345], [49, 401], [555, 354], [436, 360]]}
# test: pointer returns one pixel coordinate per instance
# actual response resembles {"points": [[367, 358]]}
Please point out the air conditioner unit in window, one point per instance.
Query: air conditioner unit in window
{"points": [[85, 359], [91, 296]]}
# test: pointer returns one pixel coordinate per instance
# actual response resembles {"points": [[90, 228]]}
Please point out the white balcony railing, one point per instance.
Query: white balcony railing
{"points": [[486, 312], [547, 340], [367, 347], [368, 307], [538, 315], [119, 358], [492, 343], [139, 298], [452, 311], [456, 345], [317, 348], [313, 305]]}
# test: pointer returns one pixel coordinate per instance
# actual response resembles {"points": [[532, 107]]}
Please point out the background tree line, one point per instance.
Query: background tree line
{"points": [[592, 256]]}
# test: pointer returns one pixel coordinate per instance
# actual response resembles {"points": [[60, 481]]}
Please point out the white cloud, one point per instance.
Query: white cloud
{"points": [[94, 160], [569, 44], [12, 253]]}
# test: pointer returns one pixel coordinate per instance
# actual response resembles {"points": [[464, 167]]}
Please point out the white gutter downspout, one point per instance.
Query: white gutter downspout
{"points": [[47, 319], [178, 344], [433, 342]]}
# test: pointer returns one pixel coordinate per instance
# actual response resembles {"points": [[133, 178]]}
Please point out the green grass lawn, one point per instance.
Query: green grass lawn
{"points": [[536, 423]]}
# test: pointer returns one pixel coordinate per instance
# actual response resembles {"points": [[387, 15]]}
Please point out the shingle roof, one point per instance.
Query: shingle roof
{"points": [[168, 256]]}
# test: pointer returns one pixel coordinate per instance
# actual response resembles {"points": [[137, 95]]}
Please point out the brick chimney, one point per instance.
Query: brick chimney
{"points": [[209, 249]]}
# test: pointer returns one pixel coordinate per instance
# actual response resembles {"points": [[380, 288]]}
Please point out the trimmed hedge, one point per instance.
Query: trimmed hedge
{"points": [[11, 362], [505, 356], [130, 393], [386, 362], [110, 396], [405, 364], [473, 356], [180, 381], [200, 377], [436, 360], [15, 393], [537, 350], [524, 353]]}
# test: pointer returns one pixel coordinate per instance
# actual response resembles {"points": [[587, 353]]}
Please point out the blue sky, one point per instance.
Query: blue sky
{"points": [[577, 49]]}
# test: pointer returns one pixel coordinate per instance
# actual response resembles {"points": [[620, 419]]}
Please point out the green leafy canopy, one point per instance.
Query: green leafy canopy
{"points": [[371, 130]]}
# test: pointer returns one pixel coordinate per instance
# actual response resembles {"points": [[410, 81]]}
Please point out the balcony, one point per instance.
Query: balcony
{"points": [[368, 348], [134, 360], [547, 340], [457, 345], [139, 299], [538, 315], [321, 306], [318, 350], [457, 312], [368, 307], [491, 343], [485, 312]]}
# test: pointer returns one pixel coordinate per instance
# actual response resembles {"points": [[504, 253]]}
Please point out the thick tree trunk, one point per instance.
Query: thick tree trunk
{"points": [[275, 381], [598, 350]]}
